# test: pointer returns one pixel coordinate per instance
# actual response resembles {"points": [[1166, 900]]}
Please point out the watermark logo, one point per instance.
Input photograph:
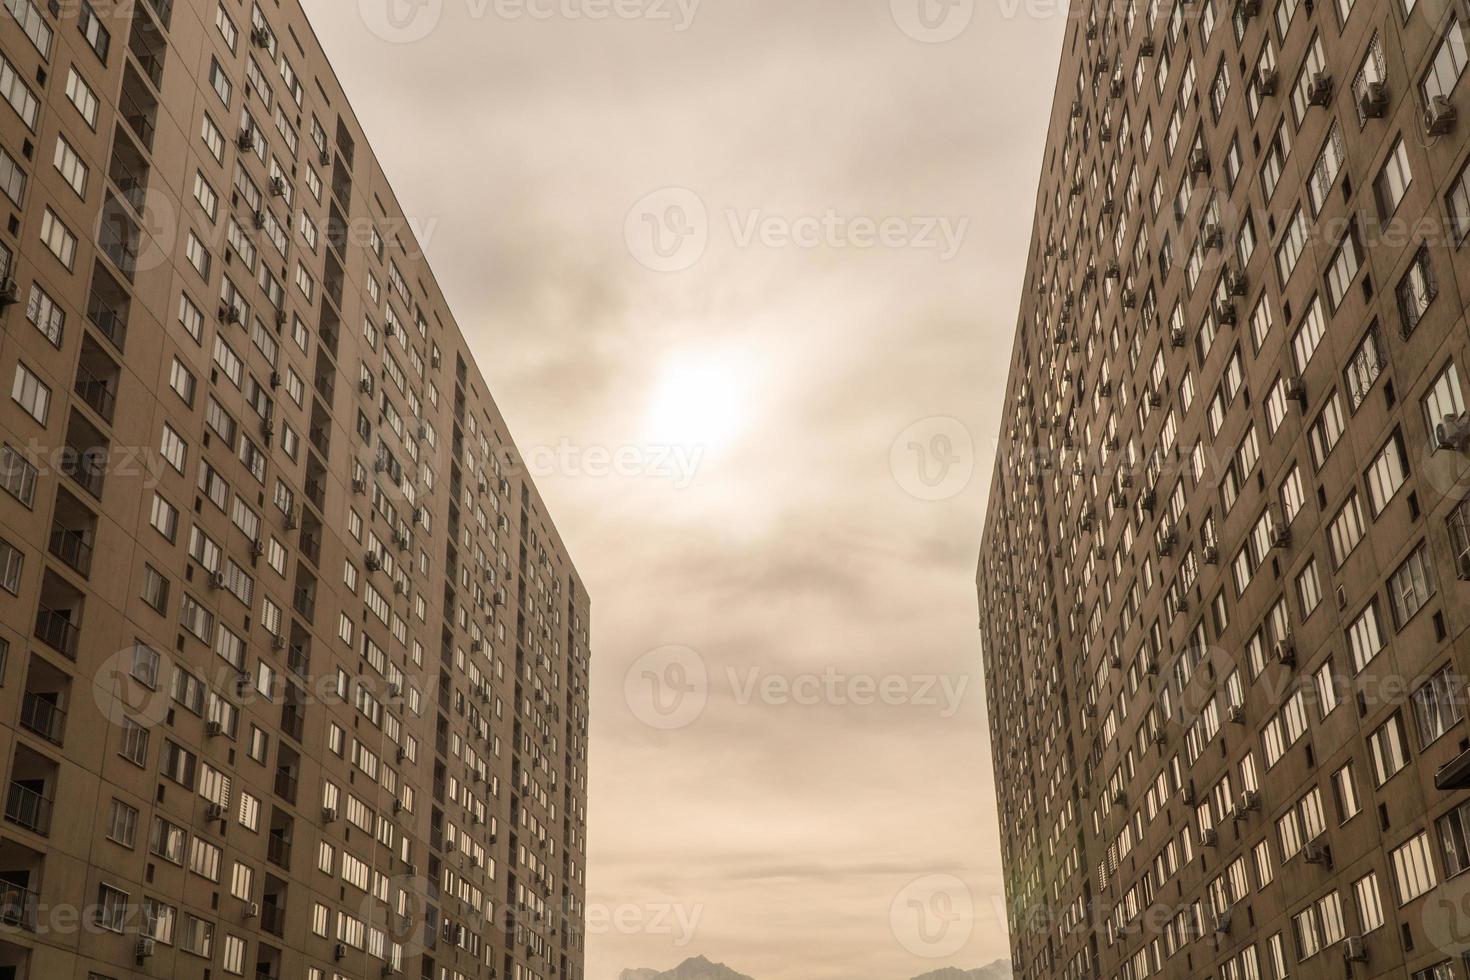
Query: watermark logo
{"points": [[933, 916], [1446, 917], [126, 688], [933, 459], [932, 21], [668, 230], [401, 21], [667, 688]]}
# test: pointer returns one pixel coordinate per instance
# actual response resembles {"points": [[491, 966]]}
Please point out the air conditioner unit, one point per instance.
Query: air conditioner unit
{"points": [[257, 548], [291, 520], [1317, 853], [1453, 433], [231, 315], [1280, 535], [1354, 950], [1236, 714], [339, 952], [1284, 651], [278, 642], [245, 140], [1149, 500], [1266, 81], [144, 949], [400, 589], [1209, 838], [1120, 798], [1248, 8], [401, 754], [1120, 500], [251, 910], [1222, 921], [1115, 88], [325, 158], [372, 562], [1167, 542], [410, 869], [1176, 337], [1146, 48], [217, 580], [1212, 235], [1250, 800], [1319, 89], [1129, 299], [260, 37], [258, 218], [1199, 162], [395, 689], [9, 293], [359, 485], [1212, 554], [1225, 314], [1187, 792], [329, 814], [267, 429], [1236, 282], [216, 811], [275, 380], [1161, 736], [1296, 390], [1373, 102], [1439, 116]]}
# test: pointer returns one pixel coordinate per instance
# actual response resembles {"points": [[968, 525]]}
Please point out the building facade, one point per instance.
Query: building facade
{"points": [[1223, 584], [293, 663]]}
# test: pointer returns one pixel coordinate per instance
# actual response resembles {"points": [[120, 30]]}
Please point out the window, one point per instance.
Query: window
{"points": [[197, 255], [1413, 868], [1443, 400], [206, 196], [60, 240], [1457, 202], [173, 448], [1342, 269], [12, 178], [232, 955], [196, 936], [181, 381], [1438, 705], [1370, 908], [112, 908], [168, 841], [81, 96], [1393, 180], [1386, 474], [45, 315], [134, 742], [122, 824], [1293, 241], [1345, 792], [1365, 638], [31, 394], [1411, 585], [164, 517], [1363, 370], [155, 589], [1325, 170], [91, 27], [18, 476], [15, 92], [1415, 291], [1345, 531], [1449, 63], [1308, 335], [70, 166], [1387, 749], [213, 139], [220, 82], [1309, 589]]}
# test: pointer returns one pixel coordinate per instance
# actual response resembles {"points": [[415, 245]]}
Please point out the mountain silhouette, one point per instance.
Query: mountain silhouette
{"points": [[999, 970], [697, 968]]}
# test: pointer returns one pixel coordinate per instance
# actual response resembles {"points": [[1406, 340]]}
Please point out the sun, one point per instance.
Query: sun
{"points": [[697, 401]]}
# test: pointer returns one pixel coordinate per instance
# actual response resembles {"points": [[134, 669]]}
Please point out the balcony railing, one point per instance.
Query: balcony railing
{"points": [[26, 808], [18, 906], [42, 717], [96, 393], [112, 325], [273, 919], [138, 117], [278, 850], [72, 548], [57, 631], [286, 785]]}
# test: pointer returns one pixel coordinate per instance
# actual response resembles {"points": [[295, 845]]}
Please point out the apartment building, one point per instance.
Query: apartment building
{"points": [[293, 662], [1223, 585]]}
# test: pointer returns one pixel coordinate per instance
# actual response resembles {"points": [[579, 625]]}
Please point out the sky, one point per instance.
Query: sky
{"points": [[743, 277]]}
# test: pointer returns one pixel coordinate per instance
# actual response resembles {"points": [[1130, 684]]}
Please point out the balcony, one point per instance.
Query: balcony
{"points": [[97, 379], [285, 785], [43, 702], [72, 529], [28, 801], [108, 304], [118, 235], [84, 457], [129, 170], [147, 44], [278, 849], [59, 615], [17, 906], [138, 107]]}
